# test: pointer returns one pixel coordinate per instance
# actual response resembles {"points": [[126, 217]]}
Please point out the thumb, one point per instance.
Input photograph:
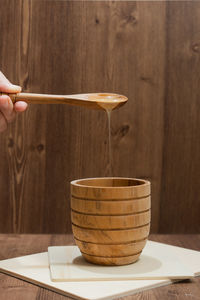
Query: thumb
{"points": [[6, 86]]}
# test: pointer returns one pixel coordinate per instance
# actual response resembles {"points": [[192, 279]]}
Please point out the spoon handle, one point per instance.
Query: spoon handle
{"points": [[33, 98]]}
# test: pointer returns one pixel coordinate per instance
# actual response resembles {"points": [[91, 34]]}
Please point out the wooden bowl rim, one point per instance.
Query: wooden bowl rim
{"points": [[142, 182]]}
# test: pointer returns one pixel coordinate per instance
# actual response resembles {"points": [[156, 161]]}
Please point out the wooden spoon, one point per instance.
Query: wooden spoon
{"points": [[106, 101]]}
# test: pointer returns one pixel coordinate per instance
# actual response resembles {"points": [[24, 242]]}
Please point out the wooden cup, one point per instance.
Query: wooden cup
{"points": [[110, 218]]}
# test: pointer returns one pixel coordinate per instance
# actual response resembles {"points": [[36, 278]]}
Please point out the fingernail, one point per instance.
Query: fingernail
{"points": [[16, 86]]}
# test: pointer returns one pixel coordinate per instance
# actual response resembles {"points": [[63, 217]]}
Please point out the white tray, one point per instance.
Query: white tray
{"points": [[35, 269], [157, 261]]}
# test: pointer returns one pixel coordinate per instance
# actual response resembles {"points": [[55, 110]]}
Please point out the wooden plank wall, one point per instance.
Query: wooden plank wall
{"points": [[149, 51]]}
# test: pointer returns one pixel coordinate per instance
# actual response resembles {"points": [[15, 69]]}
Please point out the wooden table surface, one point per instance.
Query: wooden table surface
{"points": [[24, 244]]}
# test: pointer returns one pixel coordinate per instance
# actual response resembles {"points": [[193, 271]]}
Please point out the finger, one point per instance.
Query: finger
{"points": [[6, 86], [6, 108], [20, 106], [3, 123]]}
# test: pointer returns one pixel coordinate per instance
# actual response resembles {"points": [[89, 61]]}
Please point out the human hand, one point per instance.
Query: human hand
{"points": [[8, 110]]}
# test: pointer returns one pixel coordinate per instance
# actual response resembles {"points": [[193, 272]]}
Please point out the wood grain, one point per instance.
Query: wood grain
{"points": [[25, 152], [146, 50], [181, 158], [19, 245], [112, 207]]}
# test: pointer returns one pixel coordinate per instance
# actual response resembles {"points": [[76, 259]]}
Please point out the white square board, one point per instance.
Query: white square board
{"points": [[156, 262], [35, 269]]}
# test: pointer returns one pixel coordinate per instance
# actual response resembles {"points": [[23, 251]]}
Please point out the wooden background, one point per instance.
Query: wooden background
{"points": [[149, 51]]}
